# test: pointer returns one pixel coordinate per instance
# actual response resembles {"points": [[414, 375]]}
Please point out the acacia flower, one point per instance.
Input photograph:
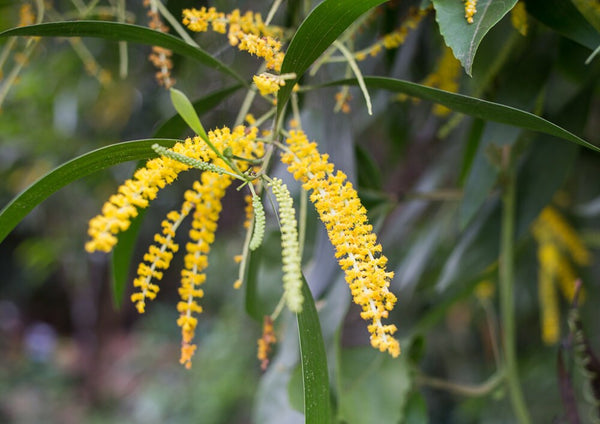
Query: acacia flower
{"points": [[356, 246], [204, 199], [518, 18], [470, 10], [556, 241], [268, 83], [265, 342], [247, 32], [160, 57], [445, 77]]}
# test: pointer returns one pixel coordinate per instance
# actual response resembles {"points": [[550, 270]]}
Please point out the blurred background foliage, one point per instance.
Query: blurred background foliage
{"points": [[430, 182]]}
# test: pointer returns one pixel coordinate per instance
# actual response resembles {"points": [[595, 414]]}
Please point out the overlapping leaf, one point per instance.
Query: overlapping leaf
{"points": [[464, 38], [122, 32], [73, 170]]}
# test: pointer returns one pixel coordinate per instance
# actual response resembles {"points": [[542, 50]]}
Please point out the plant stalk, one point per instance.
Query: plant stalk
{"points": [[506, 282]]}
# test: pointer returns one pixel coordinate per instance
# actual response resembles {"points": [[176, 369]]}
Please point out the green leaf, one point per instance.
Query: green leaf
{"points": [[374, 386], [477, 108], [464, 38], [590, 11], [186, 110], [70, 171], [317, 408], [318, 31], [564, 18], [176, 126], [122, 32]]}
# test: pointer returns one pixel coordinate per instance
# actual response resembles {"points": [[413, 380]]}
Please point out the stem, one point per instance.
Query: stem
{"points": [[506, 280]]}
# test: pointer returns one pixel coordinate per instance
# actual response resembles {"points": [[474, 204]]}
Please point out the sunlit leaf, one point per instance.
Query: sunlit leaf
{"points": [[75, 169], [122, 32], [464, 38]]}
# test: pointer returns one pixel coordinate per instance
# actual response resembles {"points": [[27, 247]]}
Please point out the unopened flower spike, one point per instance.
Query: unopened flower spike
{"points": [[191, 162], [259, 223], [290, 247]]}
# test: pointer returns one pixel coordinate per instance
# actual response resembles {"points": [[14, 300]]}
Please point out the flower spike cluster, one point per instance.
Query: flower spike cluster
{"points": [[247, 32], [470, 10], [356, 246], [202, 202]]}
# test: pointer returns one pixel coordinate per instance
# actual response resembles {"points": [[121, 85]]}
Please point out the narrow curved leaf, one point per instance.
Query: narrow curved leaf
{"points": [[318, 31], [176, 126], [462, 37], [70, 171], [563, 17], [472, 106], [590, 11], [186, 110], [122, 32], [317, 407]]}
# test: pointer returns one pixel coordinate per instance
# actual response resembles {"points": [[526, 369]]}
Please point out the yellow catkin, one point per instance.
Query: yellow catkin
{"points": [[26, 15], [445, 77], [484, 290], [265, 342], [550, 318], [268, 83], [518, 18], [135, 193], [247, 32], [565, 235], [207, 194], [470, 10], [395, 38], [160, 57], [346, 222]]}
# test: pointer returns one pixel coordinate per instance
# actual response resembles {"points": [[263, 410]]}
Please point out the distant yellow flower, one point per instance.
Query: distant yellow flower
{"points": [[470, 10], [548, 258], [518, 18], [395, 38], [265, 342], [26, 15], [556, 240], [356, 246], [445, 77]]}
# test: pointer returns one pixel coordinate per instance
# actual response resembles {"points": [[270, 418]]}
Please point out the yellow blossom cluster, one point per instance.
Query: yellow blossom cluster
{"points": [[247, 32], [557, 240], [395, 38], [26, 15], [160, 57], [203, 202], [518, 18], [445, 77], [268, 83], [265, 342], [356, 246], [470, 10]]}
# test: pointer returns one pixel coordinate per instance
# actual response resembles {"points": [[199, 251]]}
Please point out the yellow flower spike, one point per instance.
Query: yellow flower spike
{"points": [[518, 18], [264, 343], [470, 10], [548, 258], [445, 77], [356, 246], [565, 235]]}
